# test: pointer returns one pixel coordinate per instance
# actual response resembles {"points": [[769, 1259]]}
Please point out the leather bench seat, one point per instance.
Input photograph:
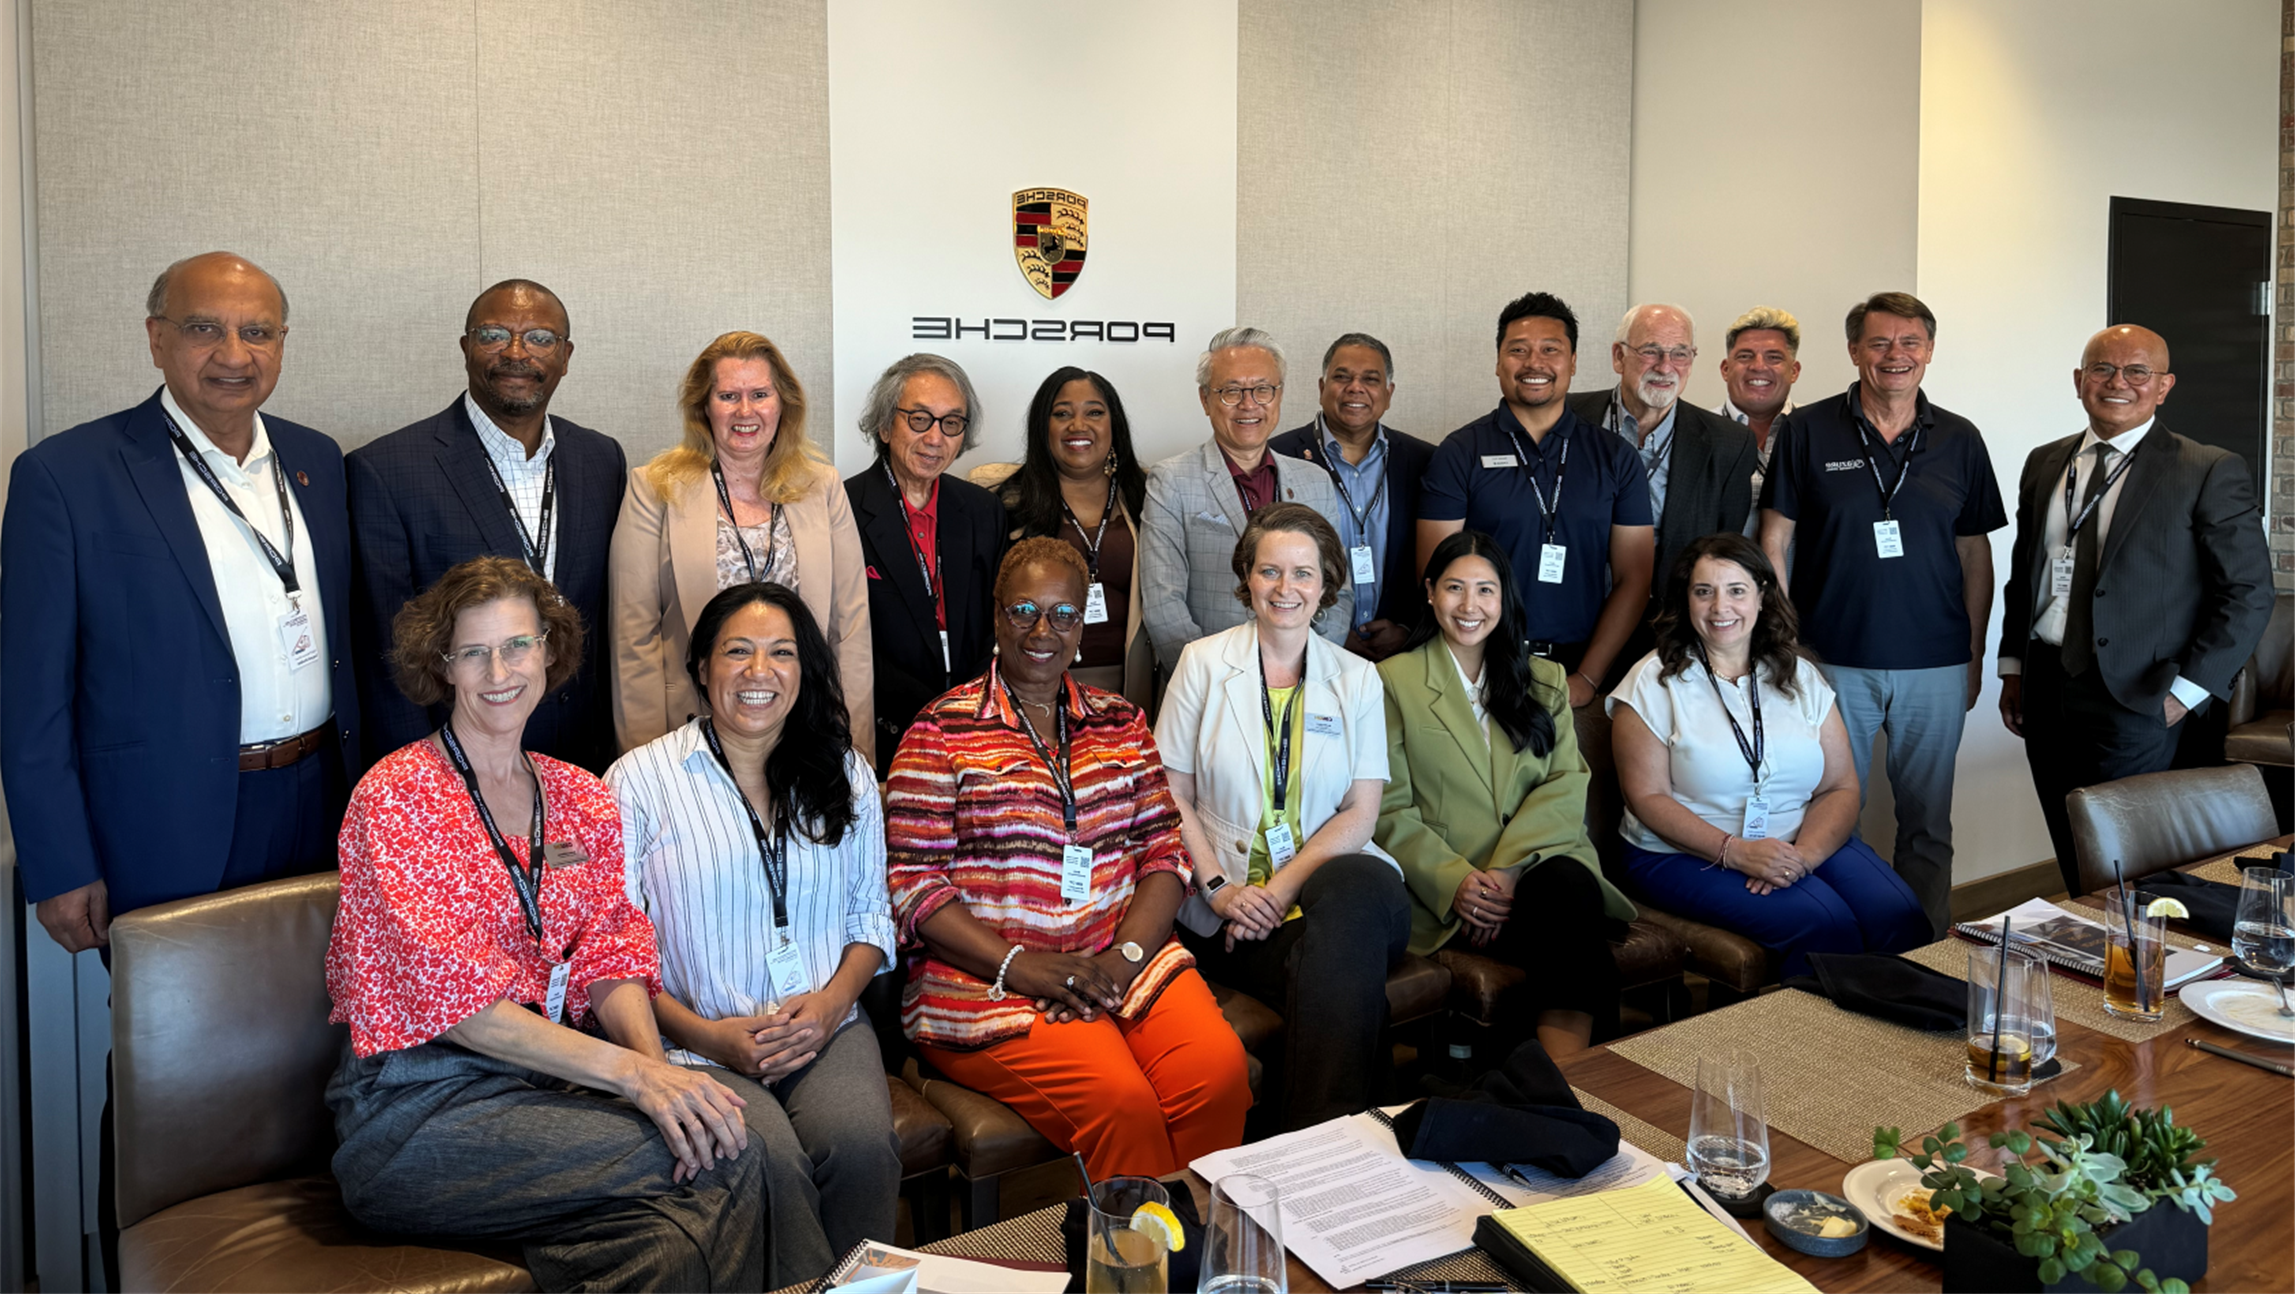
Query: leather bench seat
{"points": [[989, 1139], [1416, 988], [924, 1132]]}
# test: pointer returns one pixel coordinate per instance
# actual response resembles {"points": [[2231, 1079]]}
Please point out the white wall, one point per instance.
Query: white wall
{"points": [[2032, 117]]}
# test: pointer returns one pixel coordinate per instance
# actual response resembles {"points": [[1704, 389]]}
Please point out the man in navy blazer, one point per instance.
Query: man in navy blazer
{"points": [[491, 474], [177, 714]]}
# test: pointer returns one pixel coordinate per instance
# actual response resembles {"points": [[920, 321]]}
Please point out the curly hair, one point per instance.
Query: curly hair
{"points": [[793, 461], [1296, 519], [1776, 630], [422, 634], [1042, 549], [806, 776], [1032, 494]]}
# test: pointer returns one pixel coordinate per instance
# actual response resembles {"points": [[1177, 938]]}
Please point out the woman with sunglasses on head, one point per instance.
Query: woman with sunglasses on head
{"points": [[1485, 804], [756, 845], [1034, 853]]}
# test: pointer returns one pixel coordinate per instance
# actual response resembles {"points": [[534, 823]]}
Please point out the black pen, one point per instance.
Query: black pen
{"points": [[1515, 1176], [2228, 1054], [1437, 1287]]}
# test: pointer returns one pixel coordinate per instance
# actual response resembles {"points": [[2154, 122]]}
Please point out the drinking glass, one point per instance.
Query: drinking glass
{"points": [[1119, 1258], [1728, 1127], [2007, 1008], [2263, 935], [2125, 952], [1243, 1241]]}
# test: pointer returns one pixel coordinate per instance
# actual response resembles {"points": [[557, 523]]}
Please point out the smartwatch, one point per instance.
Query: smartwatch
{"points": [[1214, 886]]}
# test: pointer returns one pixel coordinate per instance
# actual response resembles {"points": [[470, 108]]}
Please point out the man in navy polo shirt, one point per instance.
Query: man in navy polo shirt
{"points": [[1886, 500], [1569, 502]]}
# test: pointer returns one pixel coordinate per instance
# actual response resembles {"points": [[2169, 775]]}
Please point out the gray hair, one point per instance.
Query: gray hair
{"points": [[1767, 319], [1626, 325], [1386, 357], [1237, 338], [884, 396], [155, 303]]}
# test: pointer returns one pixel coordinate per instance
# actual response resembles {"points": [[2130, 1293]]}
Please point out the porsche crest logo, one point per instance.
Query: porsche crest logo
{"points": [[1048, 238]]}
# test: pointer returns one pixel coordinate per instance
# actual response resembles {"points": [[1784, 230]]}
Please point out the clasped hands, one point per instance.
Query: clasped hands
{"points": [[1070, 986], [775, 1044], [1254, 910], [1484, 901], [1769, 865]]}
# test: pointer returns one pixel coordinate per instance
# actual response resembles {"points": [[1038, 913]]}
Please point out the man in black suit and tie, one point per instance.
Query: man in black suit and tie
{"points": [[1699, 464], [1376, 471], [492, 473], [2096, 684]]}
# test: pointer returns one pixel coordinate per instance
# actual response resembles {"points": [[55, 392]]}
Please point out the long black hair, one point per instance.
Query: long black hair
{"points": [[1776, 630], [806, 775], [1510, 691], [1032, 496]]}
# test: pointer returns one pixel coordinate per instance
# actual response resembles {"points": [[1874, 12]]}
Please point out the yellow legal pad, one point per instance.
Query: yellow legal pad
{"points": [[1642, 1240]]}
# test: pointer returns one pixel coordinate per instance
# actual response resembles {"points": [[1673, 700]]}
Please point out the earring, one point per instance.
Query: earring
{"points": [[1110, 469]]}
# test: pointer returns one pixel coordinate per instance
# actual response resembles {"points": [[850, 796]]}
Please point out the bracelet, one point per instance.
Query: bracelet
{"points": [[1589, 681], [996, 991], [1721, 861]]}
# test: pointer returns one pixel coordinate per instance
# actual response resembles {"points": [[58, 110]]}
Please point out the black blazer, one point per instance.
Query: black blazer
{"points": [[1709, 479], [422, 502], [902, 627], [2185, 558], [1404, 597]]}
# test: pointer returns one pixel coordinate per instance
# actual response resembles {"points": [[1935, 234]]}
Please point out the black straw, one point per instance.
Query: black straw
{"points": [[1086, 1174], [2135, 946], [2000, 997]]}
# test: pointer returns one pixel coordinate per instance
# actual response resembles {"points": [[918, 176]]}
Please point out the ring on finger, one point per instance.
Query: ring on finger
{"points": [[1071, 981]]}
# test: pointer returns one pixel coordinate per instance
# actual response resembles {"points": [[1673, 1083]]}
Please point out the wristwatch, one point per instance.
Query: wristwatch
{"points": [[1132, 952], [1214, 886]]}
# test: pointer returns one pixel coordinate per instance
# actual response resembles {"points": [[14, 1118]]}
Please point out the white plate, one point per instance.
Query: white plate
{"points": [[2241, 1005], [1877, 1184]]}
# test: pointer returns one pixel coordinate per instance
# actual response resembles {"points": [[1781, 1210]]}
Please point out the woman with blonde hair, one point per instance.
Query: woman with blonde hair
{"points": [[745, 499]]}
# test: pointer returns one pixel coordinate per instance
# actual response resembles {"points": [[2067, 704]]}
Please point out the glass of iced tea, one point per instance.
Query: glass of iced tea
{"points": [[2135, 961], [1124, 1252], [2008, 1010]]}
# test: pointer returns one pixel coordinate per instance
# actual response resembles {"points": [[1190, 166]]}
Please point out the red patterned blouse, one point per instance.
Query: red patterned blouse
{"points": [[429, 932], [972, 815]]}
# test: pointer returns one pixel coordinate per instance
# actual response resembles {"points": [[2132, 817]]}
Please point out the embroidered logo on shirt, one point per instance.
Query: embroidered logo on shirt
{"points": [[1845, 465]]}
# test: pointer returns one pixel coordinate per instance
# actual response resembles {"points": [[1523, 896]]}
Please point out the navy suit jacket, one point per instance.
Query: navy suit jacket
{"points": [[119, 700], [1404, 596], [423, 502]]}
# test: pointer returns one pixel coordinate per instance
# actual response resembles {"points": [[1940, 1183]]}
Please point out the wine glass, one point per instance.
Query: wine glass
{"points": [[1728, 1127], [2263, 934], [1243, 1240]]}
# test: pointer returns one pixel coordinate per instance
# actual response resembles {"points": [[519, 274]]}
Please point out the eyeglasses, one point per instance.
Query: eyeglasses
{"points": [[1679, 354], [2132, 374], [513, 651], [921, 421], [493, 337], [1233, 395], [206, 334], [1024, 614]]}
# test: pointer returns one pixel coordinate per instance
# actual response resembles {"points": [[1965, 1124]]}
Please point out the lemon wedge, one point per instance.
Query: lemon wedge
{"points": [[1158, 1219], [2169, 908]]}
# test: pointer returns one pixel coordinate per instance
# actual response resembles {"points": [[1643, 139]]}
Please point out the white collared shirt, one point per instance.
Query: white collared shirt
{"points": [[1475, 692], [524, 477], [691, 864], [276, 700], [1654, 444]]}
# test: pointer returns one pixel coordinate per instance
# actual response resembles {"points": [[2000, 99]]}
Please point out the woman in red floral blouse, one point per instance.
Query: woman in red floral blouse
{"points": [[505, 1077]]}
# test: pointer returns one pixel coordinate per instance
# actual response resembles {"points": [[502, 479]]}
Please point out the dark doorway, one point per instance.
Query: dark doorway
{"points": [[2200, 277]]}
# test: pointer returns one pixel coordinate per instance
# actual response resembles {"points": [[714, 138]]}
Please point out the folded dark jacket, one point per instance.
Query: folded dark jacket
{"points": [[1887, 986], [1520, 1113], [2213, 904]]}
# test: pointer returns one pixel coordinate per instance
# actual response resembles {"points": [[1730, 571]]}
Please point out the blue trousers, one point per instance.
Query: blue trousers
{"points": [[1852, 903], [1923, 711]]}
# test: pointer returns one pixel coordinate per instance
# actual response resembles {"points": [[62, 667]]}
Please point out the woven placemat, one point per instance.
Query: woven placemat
{"points": [[2227, 868], [2076, 999], [1651, 1138]]}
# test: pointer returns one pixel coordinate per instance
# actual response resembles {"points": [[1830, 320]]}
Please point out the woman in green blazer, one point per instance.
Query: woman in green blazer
{"points": [[1485, 805]]}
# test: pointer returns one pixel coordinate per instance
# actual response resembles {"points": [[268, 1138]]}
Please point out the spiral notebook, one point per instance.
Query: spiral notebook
{"points": [[2075, 942], [1386, 1121]]}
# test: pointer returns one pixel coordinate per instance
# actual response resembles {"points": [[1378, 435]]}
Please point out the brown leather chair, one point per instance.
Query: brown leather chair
{"points": [[2262, 714], [2155, 821]]}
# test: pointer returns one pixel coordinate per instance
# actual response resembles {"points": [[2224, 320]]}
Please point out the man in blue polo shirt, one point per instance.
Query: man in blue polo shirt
{"points": [[1886, 500], [1569, 502]]}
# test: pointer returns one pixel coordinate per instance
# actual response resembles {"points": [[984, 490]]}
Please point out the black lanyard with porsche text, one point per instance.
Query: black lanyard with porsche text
{"points": [[1888, 492], [1752, 750], [1551, 513], [282, 566], [1064, 771], [748, 559], [525, 882], [773, 846], [1092, 541], [537, 551], [1279, 735], [2073, 521], [1346, 496], [930, 571]]}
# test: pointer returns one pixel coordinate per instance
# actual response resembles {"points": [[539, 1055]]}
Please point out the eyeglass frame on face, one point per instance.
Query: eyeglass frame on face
{"points": [[922, 421], [528, 336], [1261, 394], [479, 656], [2125, 372], [1682, 356], [266, 335], [1025, 622]]}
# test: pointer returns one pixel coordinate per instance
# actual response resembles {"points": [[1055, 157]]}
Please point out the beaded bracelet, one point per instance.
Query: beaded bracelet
{"points": [[996, 991]]}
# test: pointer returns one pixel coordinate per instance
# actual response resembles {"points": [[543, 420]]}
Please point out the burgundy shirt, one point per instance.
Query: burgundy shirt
{"points": [[1259, 486]]}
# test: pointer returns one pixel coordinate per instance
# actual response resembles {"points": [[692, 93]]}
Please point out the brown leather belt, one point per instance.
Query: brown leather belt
{"points": [[281, 753]]}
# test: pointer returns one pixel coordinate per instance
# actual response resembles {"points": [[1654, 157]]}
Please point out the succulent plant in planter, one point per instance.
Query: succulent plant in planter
{"points": [[2106, 1164]]}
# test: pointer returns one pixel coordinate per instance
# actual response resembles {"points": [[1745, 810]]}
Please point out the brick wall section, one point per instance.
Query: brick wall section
{"points": [[2282, 459]]}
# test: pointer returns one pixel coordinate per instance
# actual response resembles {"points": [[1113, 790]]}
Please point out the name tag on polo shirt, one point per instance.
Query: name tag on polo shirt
{"points": [[555, 1005], [2060, 573], [1366, 568], [1888, 539], [1096, 604], [1075, 873], [296, 637], [1500, 460], [785, 966], [1756, 818], [1323, 725], [1550, 559]]}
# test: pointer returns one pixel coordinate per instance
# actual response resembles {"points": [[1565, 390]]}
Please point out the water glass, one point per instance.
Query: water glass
{"points": [[2009, 1006], [1729, 1127], [2263, 934], [1119, 1258], [1243, 1240], [2128, 994]]}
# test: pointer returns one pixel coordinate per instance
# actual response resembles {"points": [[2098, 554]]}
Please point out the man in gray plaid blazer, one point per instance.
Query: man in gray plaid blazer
{"points": [[1198, 502]]}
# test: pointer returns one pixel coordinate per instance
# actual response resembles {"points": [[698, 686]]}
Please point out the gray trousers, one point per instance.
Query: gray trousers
{"points": [[832, 1163], [1923, 711], [439, 1140]]}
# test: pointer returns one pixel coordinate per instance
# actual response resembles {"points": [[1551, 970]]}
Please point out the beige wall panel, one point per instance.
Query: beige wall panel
{"points": [[668, 176], [333, 144], [1405, 169]]}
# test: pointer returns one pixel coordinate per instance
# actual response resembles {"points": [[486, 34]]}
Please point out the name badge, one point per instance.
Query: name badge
{"points": [[1075, 874], [2060, 573], [295, 635], [945, 667], [555, 1006], [1366, 569], [1550, 559], [1323, 725], [564, 853], [1096, 604], [785, 966], [1281, 848], [1756, 818], [1500, 460], [1888, 539]]}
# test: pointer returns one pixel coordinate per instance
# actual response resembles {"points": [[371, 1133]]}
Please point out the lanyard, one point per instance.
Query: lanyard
{"points": [[1614, 422], [537, 554], [1751, 750], [932, 584], [1551, 512], [1362, 518], [283, 567], [749, 559], [2073, 522], [773, 849], [1888, 492], [1279, 736], [1092, 541], [525, 882], [1063, 772]]}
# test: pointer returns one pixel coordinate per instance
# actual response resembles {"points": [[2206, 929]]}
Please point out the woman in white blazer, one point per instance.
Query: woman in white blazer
{"points": [[1295, 906], [745, 498]]}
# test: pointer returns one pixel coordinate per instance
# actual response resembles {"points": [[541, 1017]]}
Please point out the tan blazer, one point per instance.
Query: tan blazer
{"points": [[663, 571]]}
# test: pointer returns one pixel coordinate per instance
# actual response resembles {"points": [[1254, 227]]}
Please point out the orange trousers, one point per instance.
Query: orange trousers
{"points": [[1139, 1097]]}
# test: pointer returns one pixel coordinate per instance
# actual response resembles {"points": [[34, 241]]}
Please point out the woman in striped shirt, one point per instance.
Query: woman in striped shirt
{"points": [[1034, 852], [761, 862]]}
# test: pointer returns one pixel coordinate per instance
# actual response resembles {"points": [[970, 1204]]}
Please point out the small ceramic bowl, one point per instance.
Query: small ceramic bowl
{"points": [[1795, 1216]]}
